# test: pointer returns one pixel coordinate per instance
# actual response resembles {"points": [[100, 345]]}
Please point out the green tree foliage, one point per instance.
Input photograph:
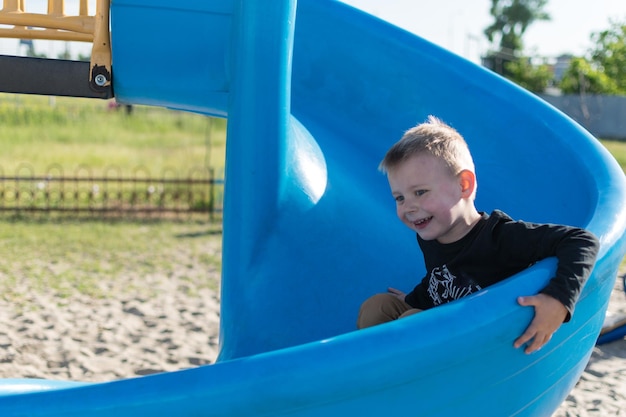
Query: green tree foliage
{"points": [[82, 57], [582, 77], [604, 72], [511, 19], [609, 53], [535, 78], [64, 55]]}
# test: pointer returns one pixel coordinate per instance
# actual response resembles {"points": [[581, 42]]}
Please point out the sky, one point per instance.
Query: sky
{"points": [[456, 25]]}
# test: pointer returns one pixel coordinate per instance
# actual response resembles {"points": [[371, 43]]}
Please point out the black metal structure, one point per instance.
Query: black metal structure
{"points": [[53, 77]]}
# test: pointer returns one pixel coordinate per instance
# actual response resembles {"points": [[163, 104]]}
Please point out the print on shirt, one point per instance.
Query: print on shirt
{"points": [[444, 287]]}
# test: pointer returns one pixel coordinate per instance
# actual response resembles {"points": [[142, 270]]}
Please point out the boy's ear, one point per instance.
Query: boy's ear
{"points": [[467, 180]]}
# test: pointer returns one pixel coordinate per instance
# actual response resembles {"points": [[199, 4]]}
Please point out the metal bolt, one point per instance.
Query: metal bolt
{"points": [[100, 80]]}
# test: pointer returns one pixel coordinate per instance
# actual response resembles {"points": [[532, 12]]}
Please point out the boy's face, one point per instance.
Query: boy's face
{"points": [[429, 199]]}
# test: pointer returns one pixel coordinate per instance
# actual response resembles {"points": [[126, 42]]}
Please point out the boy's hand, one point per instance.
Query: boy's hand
{"points": [[397, 293], [549, 315]]}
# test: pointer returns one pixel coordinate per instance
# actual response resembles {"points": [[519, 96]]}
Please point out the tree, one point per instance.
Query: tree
{"points": [[609, 53], [64, 55], [604, 70], [511, 19], [581, 77], [535, 78]]}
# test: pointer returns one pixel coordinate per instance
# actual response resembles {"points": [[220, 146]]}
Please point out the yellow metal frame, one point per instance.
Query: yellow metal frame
{"points": [[56, 25]]}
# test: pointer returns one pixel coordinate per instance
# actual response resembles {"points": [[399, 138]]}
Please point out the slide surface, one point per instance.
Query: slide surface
{"points": [[315, 93]]}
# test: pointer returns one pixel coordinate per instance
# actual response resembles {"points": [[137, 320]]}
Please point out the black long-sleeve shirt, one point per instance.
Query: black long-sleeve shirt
{"points": [[498, 247]]}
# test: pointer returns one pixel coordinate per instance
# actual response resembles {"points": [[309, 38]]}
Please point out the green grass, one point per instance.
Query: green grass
{"points": [[103, 258], [37, 133], [618, 150]]}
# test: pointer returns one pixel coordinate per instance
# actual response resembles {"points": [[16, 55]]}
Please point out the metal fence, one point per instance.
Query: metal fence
{"points": [[196, 195]]}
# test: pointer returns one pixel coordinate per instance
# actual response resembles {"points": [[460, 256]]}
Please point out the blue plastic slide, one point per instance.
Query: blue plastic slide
{"points": [[614, 327], [315, 93]]}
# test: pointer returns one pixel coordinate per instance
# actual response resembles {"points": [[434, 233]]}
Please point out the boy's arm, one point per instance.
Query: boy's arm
{"points": [[549, 315], [575, 249], [576, 255]]}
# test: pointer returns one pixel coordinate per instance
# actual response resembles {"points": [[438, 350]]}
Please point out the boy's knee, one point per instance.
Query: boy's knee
{"points": [[380, 308]]}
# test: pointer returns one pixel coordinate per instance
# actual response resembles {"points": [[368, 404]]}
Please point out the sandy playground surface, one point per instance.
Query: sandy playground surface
{"points": [[176, 327]]}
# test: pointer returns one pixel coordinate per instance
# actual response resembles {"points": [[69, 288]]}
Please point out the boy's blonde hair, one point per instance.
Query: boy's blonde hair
{"points": [[433, 137]]}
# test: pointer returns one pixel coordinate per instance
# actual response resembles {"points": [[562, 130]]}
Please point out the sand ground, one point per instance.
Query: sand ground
{"points": [[176, 327]]}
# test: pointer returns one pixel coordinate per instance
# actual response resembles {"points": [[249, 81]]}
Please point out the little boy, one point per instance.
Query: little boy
{"points": [[431, 176]]}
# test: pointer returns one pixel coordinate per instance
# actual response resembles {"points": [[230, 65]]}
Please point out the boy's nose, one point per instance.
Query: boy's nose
{"points": [[411, 204], [410, 215], [409, 210]]}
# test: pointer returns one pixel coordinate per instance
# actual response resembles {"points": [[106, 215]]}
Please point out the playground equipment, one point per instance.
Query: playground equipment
{"points": [[54, 76], [315, 92]]}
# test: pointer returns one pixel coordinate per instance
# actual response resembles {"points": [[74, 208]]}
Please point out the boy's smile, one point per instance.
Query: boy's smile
{"points": [[431, 200], [419, 223]]}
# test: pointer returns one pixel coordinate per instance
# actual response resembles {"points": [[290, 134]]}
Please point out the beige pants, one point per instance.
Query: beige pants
{"points": [[382, 308]]}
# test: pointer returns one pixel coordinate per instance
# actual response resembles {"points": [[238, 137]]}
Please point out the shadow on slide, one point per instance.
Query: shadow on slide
{"points": [[314, 94]]}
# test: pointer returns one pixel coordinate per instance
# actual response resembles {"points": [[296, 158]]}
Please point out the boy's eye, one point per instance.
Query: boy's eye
{"points": [[420, 192], [399, 199]]}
